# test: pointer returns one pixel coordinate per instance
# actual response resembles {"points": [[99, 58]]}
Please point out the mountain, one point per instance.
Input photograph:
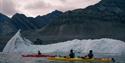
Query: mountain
{"points": [[6, 26], [103, 20], [9, 26], [29, 23], [46, 19], [20, 21], [6, 30]]}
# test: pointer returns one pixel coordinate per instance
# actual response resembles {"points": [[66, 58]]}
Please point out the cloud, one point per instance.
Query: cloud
{"points": [[38, 5], [7, 7], [42, 7], [38, 8], [63, 0], [0, 5]]}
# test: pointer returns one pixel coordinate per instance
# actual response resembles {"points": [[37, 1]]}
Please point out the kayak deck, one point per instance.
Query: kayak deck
{"points": [[80, 59], [33, 55]]}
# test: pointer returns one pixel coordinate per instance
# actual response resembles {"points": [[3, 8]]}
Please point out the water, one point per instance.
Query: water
{"points": [[16, 58]]}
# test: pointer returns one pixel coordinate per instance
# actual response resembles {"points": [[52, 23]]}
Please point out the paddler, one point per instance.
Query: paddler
{"points": [[72, 54], [39, 53], [90, 55]]}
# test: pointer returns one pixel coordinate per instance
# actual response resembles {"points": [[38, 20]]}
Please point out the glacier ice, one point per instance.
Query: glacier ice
{"points": [[104, 45]]}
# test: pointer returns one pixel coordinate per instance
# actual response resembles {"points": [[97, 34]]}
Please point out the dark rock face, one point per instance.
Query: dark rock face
{"points": [[6, 26], [9, 26], [41, 21], [103, 20], [29, 23], [6, 29], [20, 21]]}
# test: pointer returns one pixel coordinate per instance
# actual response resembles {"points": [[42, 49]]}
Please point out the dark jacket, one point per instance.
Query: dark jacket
{"points": [[72, 55], [90, 55]]}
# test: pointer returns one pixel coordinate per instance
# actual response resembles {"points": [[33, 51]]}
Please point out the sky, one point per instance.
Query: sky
{"points": [[41, 7]]}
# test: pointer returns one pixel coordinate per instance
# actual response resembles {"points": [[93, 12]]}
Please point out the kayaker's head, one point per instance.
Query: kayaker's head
{"points": [[90, 51], [71, 50]]}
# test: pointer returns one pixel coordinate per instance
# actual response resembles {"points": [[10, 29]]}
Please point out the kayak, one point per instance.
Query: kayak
{"points": [[36, 55], [80, 59]]}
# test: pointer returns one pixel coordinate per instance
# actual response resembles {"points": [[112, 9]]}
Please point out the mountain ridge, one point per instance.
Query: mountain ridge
{"points": [[96, 21], [102, 20]]}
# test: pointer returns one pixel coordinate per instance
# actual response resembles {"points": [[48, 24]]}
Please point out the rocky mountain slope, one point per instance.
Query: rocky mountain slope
{"points": [[103, 20], [9, 26]]}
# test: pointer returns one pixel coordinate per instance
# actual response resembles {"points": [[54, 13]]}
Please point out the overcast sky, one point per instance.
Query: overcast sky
{"points": [[41, 7]]}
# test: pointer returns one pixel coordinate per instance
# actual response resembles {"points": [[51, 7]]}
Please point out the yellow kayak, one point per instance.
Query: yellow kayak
{"points": [[80, 59]]}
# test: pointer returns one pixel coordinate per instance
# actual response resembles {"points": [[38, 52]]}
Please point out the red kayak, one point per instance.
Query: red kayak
{"points": [[36, 55]]}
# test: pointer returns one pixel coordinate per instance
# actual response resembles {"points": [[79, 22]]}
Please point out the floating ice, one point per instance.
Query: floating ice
{"points": [[104, 45]]}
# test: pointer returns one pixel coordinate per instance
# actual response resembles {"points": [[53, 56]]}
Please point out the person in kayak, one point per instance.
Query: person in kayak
{"points": [[90, 55], [72, 54], [39, 53]]}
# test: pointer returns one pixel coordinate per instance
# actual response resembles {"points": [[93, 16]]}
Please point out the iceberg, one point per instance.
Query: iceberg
{"points": [[104, 45], [16, 42]]}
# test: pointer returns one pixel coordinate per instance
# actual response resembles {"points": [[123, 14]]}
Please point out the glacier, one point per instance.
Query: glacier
{"points": [[104, 45]]}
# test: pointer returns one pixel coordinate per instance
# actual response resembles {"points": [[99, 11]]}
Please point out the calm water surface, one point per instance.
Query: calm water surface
{"points": [[16, 58]]}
